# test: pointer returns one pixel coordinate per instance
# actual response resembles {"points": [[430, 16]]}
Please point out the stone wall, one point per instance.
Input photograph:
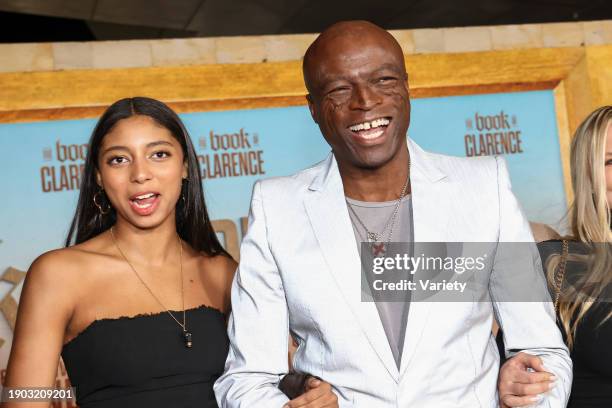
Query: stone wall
{"points": [[253, 49]]}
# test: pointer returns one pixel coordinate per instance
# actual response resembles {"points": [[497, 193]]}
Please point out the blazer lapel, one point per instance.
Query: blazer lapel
{"points": [[431, 216], [328, 213]]}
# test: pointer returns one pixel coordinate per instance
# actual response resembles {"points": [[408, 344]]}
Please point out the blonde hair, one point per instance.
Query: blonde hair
{"points": [[590, 221]]}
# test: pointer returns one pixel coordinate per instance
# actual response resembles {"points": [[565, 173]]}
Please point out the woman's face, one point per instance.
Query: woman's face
{"points": [[609, 165], [141, 167]]}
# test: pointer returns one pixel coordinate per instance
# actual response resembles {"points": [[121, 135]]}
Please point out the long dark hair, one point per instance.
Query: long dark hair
{"points": [[192, 222]]}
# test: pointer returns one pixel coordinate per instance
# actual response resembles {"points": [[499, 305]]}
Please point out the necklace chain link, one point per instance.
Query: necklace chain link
{"points": [[375, 236], [184, 324]]}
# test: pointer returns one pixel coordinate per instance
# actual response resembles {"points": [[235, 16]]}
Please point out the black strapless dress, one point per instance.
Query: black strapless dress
{"points": [[143, 361]]}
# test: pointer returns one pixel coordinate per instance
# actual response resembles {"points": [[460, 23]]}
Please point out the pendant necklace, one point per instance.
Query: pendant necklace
{"points": [[379, 248], [187, 336]]}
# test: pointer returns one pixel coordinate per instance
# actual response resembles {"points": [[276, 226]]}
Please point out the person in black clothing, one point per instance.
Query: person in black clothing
{"points": [[137, 302], [579, 267]]}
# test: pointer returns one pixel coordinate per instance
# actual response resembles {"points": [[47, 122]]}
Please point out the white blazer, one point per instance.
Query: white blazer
{"points": [[300, 272]]}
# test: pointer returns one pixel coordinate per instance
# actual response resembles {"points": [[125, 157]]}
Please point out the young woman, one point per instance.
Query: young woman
{"points": [[579, 267], [136, 303]]}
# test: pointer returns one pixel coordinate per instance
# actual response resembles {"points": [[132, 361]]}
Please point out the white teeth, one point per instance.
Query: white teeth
{"points": [[370, 125], [144, 196], [373, 134]]}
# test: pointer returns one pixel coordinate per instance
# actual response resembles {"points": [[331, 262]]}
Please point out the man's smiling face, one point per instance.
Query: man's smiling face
{"points": [[357, 80]]}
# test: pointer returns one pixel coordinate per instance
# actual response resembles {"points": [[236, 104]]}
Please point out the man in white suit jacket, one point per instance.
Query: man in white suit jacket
{"points": [[300, 270]]}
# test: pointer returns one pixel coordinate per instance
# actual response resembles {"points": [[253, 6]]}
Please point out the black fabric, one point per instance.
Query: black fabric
{"points": [[592, 351], [293, 385], [142, 361]]}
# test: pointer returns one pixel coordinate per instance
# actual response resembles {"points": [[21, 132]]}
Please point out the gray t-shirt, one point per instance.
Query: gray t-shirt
{"points": [[374, 215]]}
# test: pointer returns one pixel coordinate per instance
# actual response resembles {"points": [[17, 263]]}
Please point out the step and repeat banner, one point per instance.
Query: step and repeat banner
{"points": [[42, 162]]}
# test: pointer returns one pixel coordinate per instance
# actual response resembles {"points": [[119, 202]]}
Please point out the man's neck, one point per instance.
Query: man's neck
{"points": [[377, 185]]}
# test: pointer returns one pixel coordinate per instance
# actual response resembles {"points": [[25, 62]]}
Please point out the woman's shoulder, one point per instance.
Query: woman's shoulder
{"points": [[543, 232], [57, 262], [67, 265], [53, 278], [220, 267], [218, 271]]}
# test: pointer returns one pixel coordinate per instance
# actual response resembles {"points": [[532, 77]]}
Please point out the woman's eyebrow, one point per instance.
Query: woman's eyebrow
{"points": [[149, 145]]}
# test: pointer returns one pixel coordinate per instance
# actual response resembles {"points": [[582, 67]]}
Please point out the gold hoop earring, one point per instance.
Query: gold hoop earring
{"points": [[102, 210]]}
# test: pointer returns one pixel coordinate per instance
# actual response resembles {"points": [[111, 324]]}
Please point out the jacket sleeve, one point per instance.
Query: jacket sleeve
{"points": [[520, 296], [258, 325]]}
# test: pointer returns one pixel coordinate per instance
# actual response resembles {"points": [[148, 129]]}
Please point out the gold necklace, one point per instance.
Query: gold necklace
{"points": [[187, 336]]}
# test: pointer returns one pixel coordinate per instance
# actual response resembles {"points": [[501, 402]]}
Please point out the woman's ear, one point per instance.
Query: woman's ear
{"points": [[185, 170], [99, 180]]}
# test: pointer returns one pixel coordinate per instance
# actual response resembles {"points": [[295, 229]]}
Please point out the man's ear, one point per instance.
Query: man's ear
{"points": [[311, 108]]}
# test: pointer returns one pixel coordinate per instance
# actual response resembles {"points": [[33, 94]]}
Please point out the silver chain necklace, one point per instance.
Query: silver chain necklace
{"points": [[376, 236]]}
